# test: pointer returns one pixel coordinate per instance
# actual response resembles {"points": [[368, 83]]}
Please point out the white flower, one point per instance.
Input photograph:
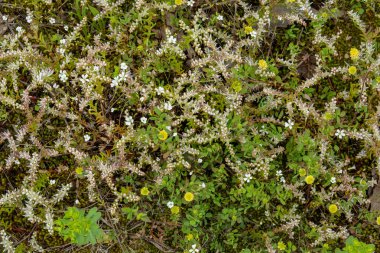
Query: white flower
{"points": [[5, 18], [333, 180], [86, 137], [160, 90], [172, 40], [62, 76], [77, 202], [340, 133], [282, 180], [143, 120], [62, 41], [112, 109], [253, 34], [55, 86], [84, 79], [194, 249], [279, 173], [129, 121], [66, 27], [96, 68], [142, 99], [170, 204], [61, 51], [219, 17], [169, 128], [52, 21], [19, 29], [29, 18], [52, 181], [123, 66], [247, 177], [200, 160], [175, 134], [115, 81], [168, 106], [289, 124], [203, 185], [190, 3]]}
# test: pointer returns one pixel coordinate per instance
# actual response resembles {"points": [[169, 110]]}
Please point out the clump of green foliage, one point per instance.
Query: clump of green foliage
{"points": [[79, 227]]}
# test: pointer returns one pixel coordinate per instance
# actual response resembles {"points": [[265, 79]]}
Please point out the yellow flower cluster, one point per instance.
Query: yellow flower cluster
{"points": [[309, 179], [354, 54], [352, 70], [162, 135], [189, 196], [333, 208], [263, 64]]}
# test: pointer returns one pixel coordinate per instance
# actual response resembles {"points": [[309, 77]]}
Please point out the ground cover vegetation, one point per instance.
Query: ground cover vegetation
{"points": [[189, 126]]}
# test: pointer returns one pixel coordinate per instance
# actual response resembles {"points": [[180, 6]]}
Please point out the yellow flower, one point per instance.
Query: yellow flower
{"points": [[175, 210], [309, 179], [79, 170], [189, 237], [352, 70], [178, 2], [378, 220], [162, 135], [189, 196], [333, 208], [263, 64], [354, 54], [236, 85], [248, 29], [281, 245], [302, 172], [144, 191]]}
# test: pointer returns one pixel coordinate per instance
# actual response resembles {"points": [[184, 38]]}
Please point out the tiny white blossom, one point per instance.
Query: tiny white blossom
{"points": [[62, 76], [77, 202], [172, 40], [190, 3], [123, 66], [247, 177], [66, 27], [86, 137], [160, 90], [112, 109], [253, 34], [191, 173], [340, 133], [19, 29], [55, 86], [29, 18], [279, 173], [129, 121], [289, 124], [170, 204], [203, 185], [142, 99], [168, 106], [175, 134], [84, 79], [52, 21], [62, 41], [169, 128], [333, 180], [194, 249], [96, 68], [52, 182], [200, 160], [219, 17], [143, 120], [115, 81], [282, 180], [5, 17]]}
